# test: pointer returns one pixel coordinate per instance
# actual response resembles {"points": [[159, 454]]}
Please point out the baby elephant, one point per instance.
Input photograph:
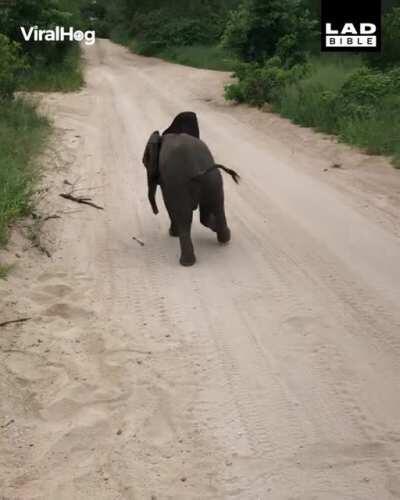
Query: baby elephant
{"points": [[189, 178]]}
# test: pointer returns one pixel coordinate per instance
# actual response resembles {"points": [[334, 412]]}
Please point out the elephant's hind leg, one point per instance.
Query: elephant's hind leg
{"points": [[181, 213], [187, 251], [173, 230], [207, 218], [222, 229]]}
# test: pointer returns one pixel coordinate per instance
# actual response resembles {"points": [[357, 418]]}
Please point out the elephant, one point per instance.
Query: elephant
{"points": [[189, 178], [184, 123]]}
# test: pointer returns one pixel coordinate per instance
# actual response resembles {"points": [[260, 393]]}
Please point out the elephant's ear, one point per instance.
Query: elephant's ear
{"points": [[151, 154], [184, 123]]}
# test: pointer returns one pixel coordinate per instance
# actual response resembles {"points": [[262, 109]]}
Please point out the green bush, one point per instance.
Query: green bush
{"points": [[360, 105], [237, 28], [41, 13], [22, 132], [390, 55], [11, 64], [378, 133], [63, 76], [200, 56], [261, 83], [158, 29], [261, 29], [363, 92]]}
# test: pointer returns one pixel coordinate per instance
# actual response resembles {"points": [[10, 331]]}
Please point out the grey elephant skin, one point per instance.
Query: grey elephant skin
{"points": [[189, 179]]}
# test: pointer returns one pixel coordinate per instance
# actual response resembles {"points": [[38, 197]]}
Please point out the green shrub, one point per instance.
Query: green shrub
{"points": [[4, 270], [11, 64], [309, 104], [379, 133], [200, 56], [22, 132], [158, 29], [237, 28], [64, 76], [261, 29], [41, 13], [360, 105], [363, 92], [390, 55], [261, 83]]}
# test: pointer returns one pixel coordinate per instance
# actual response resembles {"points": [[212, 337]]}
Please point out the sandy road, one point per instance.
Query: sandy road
{"points": [[270, 370]]}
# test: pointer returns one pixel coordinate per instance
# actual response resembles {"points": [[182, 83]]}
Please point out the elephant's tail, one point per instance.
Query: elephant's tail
{"points": [[235, 175]]}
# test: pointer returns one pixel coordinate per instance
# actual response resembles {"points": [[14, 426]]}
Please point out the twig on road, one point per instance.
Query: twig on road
{"points": [[7, 424], [141, 243], [51, 217], [79, 199], [12, 321]]}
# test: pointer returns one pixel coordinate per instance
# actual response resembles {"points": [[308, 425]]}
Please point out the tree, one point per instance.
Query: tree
{"points": [[260, 29], [390, 55], [11, 63]]}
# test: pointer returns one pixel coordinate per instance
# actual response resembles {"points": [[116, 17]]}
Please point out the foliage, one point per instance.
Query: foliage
{"points": [[200, 56], [63, 76], [390, 55], [4, 270], [11, 64], [363, 92], [261, 29], [237, 28], [51, 66], [41, 13], [160, 28], [361, 106], [94, 16], [377, 133], [22, 133], [261, 83]]}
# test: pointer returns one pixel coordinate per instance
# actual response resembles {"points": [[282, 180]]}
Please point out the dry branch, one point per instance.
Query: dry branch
{"points": [[138, 241], [79, 199], [12, 321]]}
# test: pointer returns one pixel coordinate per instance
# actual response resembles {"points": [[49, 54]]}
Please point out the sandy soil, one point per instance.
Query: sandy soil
{"points": [[270, 370]]}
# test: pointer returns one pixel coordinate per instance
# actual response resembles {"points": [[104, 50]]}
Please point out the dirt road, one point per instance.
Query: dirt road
{"points": [[270, 370]]}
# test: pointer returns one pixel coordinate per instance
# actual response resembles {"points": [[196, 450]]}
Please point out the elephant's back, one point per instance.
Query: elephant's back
{"points": [[183, 156]]}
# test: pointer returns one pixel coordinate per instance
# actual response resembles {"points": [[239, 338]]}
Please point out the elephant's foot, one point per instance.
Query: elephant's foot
{"points": [[187, 251], [224, 235], [173, 232], [187, 261]]}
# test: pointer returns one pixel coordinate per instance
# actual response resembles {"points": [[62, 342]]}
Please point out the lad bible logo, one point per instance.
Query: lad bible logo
{"points": [[350, 26]]}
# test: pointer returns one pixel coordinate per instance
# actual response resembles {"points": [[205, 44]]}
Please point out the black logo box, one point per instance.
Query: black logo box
{"points": [[340, 12]]}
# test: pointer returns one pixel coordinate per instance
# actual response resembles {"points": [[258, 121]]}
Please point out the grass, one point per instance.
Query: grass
{"points": [[22, 135], [306, 102], [310, 102], [4, 270], [64, 76], [197, 56], [380, 134], [200, 56]]}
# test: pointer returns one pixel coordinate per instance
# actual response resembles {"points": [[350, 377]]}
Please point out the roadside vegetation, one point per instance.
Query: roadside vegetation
{"points": [[24, 67], [272, 46], [354, 97], [185, 32], [22, 135]]}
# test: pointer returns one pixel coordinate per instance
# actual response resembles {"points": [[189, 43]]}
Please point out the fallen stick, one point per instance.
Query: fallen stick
{"points": [[78, 199], [7, 424], [42, 249], [138, 241], [11, 321], [51, 217]]}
